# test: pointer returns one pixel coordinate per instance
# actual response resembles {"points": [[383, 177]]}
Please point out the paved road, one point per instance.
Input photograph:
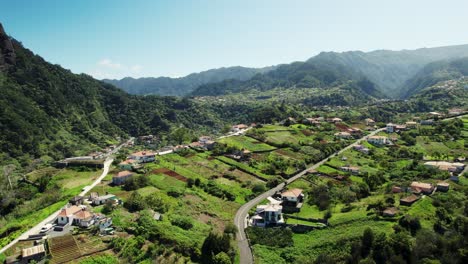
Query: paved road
{"points": [[238, 133], [35, 230], [240, 220]]}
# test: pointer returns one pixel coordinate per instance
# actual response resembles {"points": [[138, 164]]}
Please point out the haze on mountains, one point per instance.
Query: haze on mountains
{"points": [[391, 71], [59, 114]]}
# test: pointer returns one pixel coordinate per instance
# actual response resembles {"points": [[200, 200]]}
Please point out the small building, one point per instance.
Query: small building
{"points": [[36, 254], [446, 166], [292, 197], [127, 164], [77, 200], [351, 169], [379, 140], [361, 149], [454, 178], [239, 127], [443, 186], [121, 177], [411, 124], [425, 188], [336, 120], [409, 200], [104, 223], [396, 189], [390, 128], [427, 122], [370, 122], [390, 212], [103, 199], [143, 156], [343, 135]]}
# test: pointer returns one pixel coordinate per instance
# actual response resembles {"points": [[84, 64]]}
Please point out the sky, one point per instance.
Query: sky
{"points": [[151, 38]]}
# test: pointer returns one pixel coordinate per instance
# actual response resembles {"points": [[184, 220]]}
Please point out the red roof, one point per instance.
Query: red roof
{"points": [[83, 215], [292, 193], [143, 153], [124, 173], [70, 210], [129, 161]]}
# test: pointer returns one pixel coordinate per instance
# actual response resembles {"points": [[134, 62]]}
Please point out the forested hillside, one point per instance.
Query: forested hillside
{"points": [[184, 85], [433, 73], [390, 70], [312, 74], [46, 110]]}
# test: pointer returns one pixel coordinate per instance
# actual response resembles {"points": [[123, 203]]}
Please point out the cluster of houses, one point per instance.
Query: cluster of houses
{"points": [[81, 216], [203, 143], [453, 168], [418, 188], [78, 214], [271, 214], [133, 162], [238, 128]]}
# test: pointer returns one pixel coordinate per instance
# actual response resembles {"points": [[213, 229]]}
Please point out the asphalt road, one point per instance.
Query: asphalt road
{"points": [[35, 229], [240, 220]]}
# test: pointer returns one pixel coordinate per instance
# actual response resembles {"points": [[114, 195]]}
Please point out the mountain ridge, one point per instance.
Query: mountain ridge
{"points": [[181, 86]]}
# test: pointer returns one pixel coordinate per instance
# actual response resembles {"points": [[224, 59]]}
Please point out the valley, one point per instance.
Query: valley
{"points": [[351, 157]]}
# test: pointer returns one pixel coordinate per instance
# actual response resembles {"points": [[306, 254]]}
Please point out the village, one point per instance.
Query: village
{"points": [[236, 167]]}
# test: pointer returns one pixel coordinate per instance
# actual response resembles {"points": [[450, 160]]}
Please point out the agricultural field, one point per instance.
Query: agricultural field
{"points": [[245, 142], [357, 202], [47, 200]]}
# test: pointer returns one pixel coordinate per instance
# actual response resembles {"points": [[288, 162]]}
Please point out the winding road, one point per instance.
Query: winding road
{"points": [[35, 229], [240, 220]]}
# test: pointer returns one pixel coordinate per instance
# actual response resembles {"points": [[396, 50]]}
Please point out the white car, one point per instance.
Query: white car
{"points": [[46, 228]]}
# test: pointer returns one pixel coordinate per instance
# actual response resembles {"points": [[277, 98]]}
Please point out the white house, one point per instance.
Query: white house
{"points": [[66, 215], [390, 128], [344, 135], [379, 140], [293, 196], [143, 156], [103, 199], [76, 215], [268, 214]]}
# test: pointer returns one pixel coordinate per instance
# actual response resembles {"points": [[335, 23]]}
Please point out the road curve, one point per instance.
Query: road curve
{"points": [[246, 256]]}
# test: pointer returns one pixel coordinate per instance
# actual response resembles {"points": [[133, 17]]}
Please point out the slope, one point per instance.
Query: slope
{"points": [[433, 73], [46, 110], [390, 70], [321, 73], [184, 85]]}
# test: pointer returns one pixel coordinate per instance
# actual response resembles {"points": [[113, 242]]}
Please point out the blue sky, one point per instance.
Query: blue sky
{"points": [[117, 38]]}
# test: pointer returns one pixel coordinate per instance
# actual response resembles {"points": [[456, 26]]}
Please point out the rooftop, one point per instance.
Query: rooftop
{"points": [[26, 252]]}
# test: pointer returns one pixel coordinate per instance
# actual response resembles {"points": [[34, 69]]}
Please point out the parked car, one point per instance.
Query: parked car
{"points": [[58, 228], [46, 228]]}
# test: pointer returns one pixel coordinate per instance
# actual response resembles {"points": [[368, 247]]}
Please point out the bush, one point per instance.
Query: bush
{"points": [[273, 237], [182, 222]]}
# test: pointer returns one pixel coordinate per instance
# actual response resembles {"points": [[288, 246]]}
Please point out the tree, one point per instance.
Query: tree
{"points": [[135, 202], [367, 241], [221, 258]]}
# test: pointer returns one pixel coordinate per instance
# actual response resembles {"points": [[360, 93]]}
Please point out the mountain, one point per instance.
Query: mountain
{"points": [[433, 73], [47, 111], [320, 73], [184, 85], [390, 70]]}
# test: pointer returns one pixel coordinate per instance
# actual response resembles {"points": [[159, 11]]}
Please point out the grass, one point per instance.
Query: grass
{"points": [[245, 167], [244, 142]]}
